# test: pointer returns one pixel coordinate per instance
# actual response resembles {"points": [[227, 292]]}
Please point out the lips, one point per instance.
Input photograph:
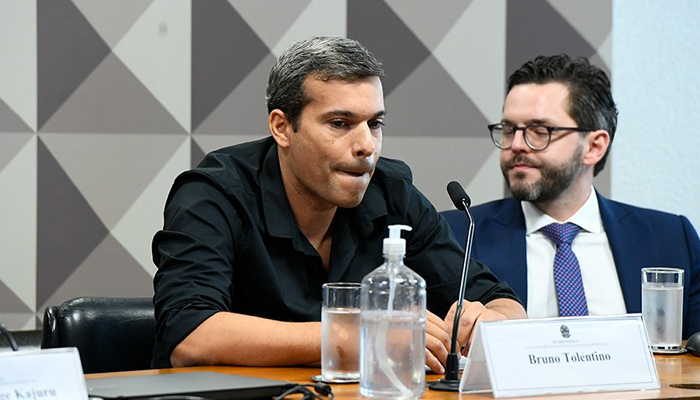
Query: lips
{"points": [[520, 163], [360, 170], [355, 173]]}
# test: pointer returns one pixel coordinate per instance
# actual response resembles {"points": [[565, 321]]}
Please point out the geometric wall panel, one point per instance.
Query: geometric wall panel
{"points": [[68, 49], [112, 20], [108, 271], [224, 50], [112, 100], [430, 27], [391, 41], [68, 229], [18, 63], [443, 109], [308, 24], [108, 190], [580, 14], [13, 311], [12, 144], [127, 94], [475, 57], [18, 228], [139, 222], [257, 15], [244, 110], [158, 51], [10, 121], [536, 28]]}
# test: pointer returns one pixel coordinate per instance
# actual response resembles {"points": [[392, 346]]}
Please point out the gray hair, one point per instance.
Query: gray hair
{"points": [[324, 58]]}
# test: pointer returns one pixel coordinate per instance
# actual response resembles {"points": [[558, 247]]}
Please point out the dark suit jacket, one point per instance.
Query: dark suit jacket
{"points": [[638, 237]]}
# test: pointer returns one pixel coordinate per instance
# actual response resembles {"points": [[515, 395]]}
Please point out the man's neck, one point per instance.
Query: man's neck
{"points": [[568, 203], [316, 227], [314, 221]]}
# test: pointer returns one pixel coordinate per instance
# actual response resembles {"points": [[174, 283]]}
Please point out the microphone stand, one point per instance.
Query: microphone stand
{"points": [[450, 383], [9, 337]]}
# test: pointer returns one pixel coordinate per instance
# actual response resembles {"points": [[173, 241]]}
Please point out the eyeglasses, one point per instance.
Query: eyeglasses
{"points": [[536, 136]]}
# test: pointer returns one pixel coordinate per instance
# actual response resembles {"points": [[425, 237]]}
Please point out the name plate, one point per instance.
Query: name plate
{"points": [[54, 374], [534, 357]]}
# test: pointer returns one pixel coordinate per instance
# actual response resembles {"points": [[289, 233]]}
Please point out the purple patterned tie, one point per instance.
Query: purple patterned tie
{"points": [[567, 273]]}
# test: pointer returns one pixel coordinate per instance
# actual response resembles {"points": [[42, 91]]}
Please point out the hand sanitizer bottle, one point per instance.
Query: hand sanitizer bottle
{"points": [[392, 328]]}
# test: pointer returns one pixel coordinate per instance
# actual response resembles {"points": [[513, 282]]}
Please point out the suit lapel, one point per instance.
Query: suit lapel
{"points": [[512, 222], [625, 231]]}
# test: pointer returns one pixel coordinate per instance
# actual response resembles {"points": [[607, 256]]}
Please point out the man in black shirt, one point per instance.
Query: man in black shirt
{"points": [[253, 232]]}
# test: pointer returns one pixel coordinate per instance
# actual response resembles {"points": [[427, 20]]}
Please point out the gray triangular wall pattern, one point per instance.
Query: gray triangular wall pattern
{"points": [[444, 110], [224, 50], [430, 27], [67, 228], [10, 121], [10, 303], [580, 15], [112, 100], [112, 19], [108, 271], [68, 49], [12, 144], [257, 16], [244, 111], [196, 155], [545, 33], [119, 176], [391, 41]]}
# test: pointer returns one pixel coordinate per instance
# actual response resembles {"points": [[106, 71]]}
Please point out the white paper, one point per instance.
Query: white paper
{"points": [[562, 355], [54, 374]]}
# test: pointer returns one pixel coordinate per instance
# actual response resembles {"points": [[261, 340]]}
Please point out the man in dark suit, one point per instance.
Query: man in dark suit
{"points": [[558, 123]]}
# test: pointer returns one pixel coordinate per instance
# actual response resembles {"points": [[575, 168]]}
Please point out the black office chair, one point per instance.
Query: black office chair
{"points": [[111, 334]]}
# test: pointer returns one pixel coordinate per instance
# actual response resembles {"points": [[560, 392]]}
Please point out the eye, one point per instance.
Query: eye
{"points": [[376, 124], [507, 130], [539, 130], [337, 123]]}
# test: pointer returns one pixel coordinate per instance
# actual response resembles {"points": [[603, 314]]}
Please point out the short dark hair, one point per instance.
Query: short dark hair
{"points": [[322, 57], [591, 103]]}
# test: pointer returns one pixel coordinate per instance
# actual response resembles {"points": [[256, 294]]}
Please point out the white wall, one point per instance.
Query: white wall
{"points": [[656, 84]]}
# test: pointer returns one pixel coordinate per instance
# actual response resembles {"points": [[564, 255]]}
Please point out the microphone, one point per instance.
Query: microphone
{"points": [[9, 337], [450, 383]]}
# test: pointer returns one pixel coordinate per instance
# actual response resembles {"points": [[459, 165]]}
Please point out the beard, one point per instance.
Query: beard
{"points": [[553, 182]]}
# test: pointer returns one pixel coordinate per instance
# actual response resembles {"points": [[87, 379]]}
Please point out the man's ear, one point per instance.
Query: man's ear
{"points": [[280, 127], [597, 144]]}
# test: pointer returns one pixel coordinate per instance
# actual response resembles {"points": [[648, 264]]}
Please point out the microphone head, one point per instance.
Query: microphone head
{"points": [[459, 197]]}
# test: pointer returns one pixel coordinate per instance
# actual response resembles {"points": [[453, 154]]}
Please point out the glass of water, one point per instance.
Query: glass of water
{"points": [[662, 308], [340, 332]]}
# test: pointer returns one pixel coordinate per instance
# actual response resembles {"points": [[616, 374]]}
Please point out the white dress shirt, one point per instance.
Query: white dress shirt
{"points": [[591, 246]]}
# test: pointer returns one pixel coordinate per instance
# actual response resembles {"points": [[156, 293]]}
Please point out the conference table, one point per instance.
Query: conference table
{"points": [[673, 370]]}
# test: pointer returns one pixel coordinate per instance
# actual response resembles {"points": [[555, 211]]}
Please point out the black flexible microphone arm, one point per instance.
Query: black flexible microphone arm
{"points": [[451, 381], [465, 270], [9, 337]]}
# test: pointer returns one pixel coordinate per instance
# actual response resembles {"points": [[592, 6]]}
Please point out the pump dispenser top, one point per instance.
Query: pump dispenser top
{"points": [[395, 245]]}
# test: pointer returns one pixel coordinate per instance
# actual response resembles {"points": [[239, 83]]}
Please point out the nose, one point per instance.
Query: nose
{"points": [[366, 141], [519, 144]]}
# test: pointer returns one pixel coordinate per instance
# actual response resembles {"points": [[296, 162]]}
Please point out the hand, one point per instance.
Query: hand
{"points": [[437, 343], [472, 313]]}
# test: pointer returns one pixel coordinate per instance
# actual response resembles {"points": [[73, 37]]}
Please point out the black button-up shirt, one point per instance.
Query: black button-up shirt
{"points": [[230, 243]]}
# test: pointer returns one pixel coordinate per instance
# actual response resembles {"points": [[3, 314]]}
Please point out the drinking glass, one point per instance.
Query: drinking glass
{"points": [[340, 337], [662, 307]]}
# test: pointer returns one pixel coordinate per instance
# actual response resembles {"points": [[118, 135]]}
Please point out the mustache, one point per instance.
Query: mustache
{"points": [[521, 159]]}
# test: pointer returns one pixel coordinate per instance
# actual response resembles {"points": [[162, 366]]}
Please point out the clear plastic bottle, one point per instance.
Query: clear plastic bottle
{"points": [[392, 329]]}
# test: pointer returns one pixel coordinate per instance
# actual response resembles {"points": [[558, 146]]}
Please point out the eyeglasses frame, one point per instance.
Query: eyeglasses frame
{"points": [[550, 130]]}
